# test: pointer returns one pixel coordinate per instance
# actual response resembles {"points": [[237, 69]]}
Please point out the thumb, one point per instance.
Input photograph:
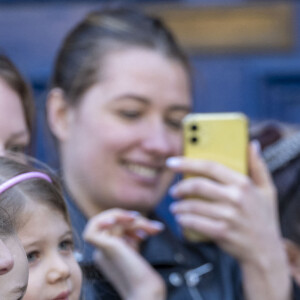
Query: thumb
{"points": [[258, 170]]}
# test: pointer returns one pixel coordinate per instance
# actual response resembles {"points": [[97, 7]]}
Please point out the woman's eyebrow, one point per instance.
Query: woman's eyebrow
{"points": [[185, 108], [133, 97]]}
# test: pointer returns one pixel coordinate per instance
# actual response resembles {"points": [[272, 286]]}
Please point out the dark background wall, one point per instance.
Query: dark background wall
{"points": [[235, 70], [262, 81]]}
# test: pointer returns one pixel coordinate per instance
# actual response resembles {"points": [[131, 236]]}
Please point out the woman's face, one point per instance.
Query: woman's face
{"points": [[124, 129], [14, 134], [54, 274], [13, 268]]}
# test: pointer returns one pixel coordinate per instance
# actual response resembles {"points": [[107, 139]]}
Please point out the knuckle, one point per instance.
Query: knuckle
{"points": [[212, 168], [245, 184], [222, 231], [195, 187], [236, 196], [229, 214], [114, 211]]}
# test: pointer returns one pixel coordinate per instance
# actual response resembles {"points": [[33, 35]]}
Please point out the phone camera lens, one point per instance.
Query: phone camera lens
{"points": [[194, 140], [194, 127]]}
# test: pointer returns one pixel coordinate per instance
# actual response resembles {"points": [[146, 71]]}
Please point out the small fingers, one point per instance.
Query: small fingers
{"points": [[145, 225], [119, 223]]}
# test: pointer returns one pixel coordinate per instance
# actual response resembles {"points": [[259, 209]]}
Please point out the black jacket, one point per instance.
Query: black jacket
{"points": [[191, 271]]}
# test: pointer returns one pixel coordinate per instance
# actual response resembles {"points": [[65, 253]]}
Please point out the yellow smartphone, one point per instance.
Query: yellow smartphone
{"points": [[220, 137]]}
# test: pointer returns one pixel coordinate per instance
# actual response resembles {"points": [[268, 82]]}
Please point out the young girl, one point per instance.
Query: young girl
{"points": [[13, 262], [42, 223]]}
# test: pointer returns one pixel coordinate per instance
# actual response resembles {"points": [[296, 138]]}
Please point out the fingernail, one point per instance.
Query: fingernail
{"points": [[172, 207], [110, 221], [134, 213], [173, 162], [141, 233], [158, 225], [178, 218], [172, 190], [257, 146]]}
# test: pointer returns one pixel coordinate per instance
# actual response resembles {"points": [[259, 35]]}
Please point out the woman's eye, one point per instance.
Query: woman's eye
{"points": [[33, 256], [174, 124], [66, 245], [130, 114]]}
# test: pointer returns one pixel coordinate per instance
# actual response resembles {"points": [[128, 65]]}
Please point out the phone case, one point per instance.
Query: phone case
{"points": [[220, 137]]}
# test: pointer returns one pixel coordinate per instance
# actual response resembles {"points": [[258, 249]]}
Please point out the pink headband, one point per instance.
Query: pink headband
{"points": [[19, 178]]}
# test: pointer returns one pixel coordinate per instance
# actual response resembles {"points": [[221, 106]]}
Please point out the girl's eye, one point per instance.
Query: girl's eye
{"points": [[33, 256], [66, 245], [17, 148]]}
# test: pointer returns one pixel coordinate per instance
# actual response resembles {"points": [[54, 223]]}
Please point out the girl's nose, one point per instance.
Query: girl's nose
{"points": [[58, 269]]}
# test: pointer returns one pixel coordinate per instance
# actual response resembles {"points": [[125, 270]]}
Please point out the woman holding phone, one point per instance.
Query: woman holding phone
{"points": [[120, 89]]}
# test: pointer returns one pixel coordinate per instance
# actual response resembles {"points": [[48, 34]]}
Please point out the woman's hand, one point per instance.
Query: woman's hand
{"points": [[117, 234], [237, 212]]}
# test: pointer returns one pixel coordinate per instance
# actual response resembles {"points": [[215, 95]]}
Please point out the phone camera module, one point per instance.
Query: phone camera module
{"points": [[194, 127], [194, 140]]}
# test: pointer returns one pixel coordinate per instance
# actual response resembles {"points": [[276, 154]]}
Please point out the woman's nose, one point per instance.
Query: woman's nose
{"points": [[6, 259], [157, 141]]}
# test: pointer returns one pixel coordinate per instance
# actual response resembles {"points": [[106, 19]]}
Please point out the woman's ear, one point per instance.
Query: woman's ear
{"points": [[57, 114]]}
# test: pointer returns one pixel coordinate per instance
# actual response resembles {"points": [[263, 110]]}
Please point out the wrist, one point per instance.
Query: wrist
{"points": [[148, 292], [151, 288], [266, 276]]}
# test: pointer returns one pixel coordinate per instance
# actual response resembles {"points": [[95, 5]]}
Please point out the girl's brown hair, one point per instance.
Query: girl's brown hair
{"points": [[14, 199]]}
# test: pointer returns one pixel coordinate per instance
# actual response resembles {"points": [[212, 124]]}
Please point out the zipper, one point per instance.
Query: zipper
{"points": [[193, 277]]}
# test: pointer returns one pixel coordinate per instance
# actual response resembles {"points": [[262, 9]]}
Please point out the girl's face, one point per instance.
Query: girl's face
{"points": [[54, 273], [124, 129], [13, 268], [14, 135]]}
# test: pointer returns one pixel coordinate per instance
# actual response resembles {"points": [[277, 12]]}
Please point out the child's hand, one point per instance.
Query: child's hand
{"points": [[116, 234], [115, 226]]}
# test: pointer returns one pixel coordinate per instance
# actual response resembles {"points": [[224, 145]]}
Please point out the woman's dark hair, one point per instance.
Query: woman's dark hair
{"points": [[78, 64], [14, 199], [10, 74]]}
